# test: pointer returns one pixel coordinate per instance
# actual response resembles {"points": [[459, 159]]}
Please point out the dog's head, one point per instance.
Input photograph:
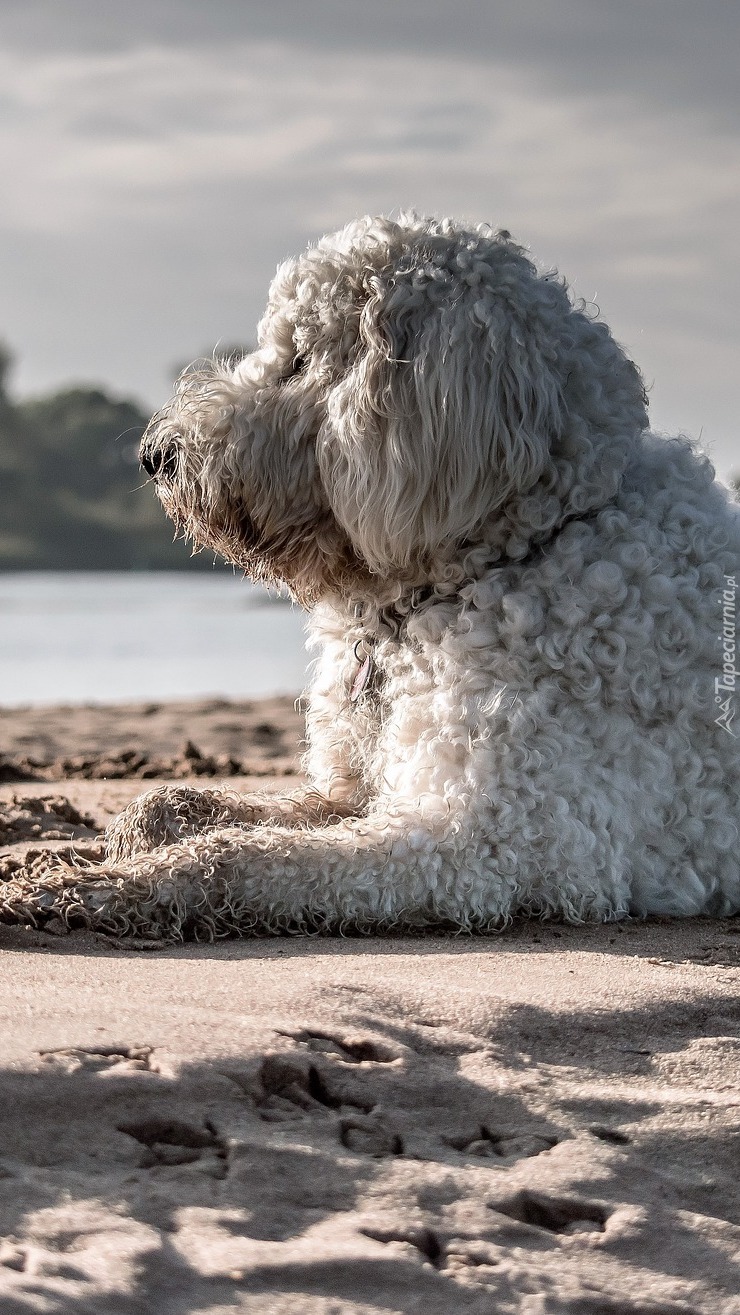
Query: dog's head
{"points": [[418, 391]]}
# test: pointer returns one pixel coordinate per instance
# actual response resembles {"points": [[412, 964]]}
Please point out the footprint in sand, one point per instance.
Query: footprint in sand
{"points": [[511, 1144], [360, 1051], [172, 1141], [97, 1059], [552, 1214], [289, 1085]]}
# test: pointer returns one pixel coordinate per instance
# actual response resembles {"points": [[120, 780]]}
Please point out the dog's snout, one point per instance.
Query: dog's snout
{"points": [[160, 461]]}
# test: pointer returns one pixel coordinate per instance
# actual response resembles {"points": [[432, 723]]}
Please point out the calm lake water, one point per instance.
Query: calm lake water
{"points": [[100, 637]]}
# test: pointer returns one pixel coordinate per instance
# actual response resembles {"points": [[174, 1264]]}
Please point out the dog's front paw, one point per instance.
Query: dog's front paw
{"points": [[48, 886], [164, 816], [60, 895]]}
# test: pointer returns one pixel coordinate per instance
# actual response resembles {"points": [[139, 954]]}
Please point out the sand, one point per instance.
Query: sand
{"points": [[211, 737], [541, 1122]]}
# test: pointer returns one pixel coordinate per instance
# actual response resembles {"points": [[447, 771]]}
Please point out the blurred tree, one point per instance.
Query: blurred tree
{"points": [[88, 439], [18, 467], [72, 495]]}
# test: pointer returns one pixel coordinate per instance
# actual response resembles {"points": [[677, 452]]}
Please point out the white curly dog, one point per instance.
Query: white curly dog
{"points": [[522, 604]]}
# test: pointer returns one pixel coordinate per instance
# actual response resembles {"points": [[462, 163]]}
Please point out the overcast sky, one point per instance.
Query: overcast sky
{"points": [[159, 157]]}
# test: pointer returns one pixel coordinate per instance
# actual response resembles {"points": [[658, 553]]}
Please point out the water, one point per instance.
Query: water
{"points": [[105, 637]]}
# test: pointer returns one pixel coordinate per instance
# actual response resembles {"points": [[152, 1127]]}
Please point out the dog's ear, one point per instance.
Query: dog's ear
{"points": [[448, 409]]}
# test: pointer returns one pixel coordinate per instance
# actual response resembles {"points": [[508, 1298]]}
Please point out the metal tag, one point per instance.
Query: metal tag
{"points": [[362, 676]]}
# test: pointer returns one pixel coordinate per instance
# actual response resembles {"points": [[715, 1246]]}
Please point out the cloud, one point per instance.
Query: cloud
{"points": [[159, 173], [133, 131], [671, 52]]}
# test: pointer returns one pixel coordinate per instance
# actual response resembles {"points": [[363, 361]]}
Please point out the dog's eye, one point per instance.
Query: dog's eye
{"points": [[299, 364]]}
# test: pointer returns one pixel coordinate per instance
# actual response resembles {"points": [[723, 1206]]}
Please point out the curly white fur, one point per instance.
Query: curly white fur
{"points": [[449, 461]]}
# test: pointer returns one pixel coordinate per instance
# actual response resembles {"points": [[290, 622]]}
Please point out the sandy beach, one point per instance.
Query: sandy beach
{"points": [[543, 1122]]}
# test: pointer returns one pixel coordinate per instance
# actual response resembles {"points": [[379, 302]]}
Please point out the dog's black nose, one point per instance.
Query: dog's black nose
{"points": [[151, 459], [160, 460]]}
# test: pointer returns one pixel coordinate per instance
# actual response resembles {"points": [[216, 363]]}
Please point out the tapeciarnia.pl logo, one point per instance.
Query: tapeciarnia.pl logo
{"points": [[725, 685]]}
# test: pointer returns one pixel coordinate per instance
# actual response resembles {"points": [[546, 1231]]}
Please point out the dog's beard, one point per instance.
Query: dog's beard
{"points": [[303, 556], [230, 532]]}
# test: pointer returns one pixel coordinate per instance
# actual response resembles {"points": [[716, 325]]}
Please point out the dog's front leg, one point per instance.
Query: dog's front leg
{"points": [[360, 874]]}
